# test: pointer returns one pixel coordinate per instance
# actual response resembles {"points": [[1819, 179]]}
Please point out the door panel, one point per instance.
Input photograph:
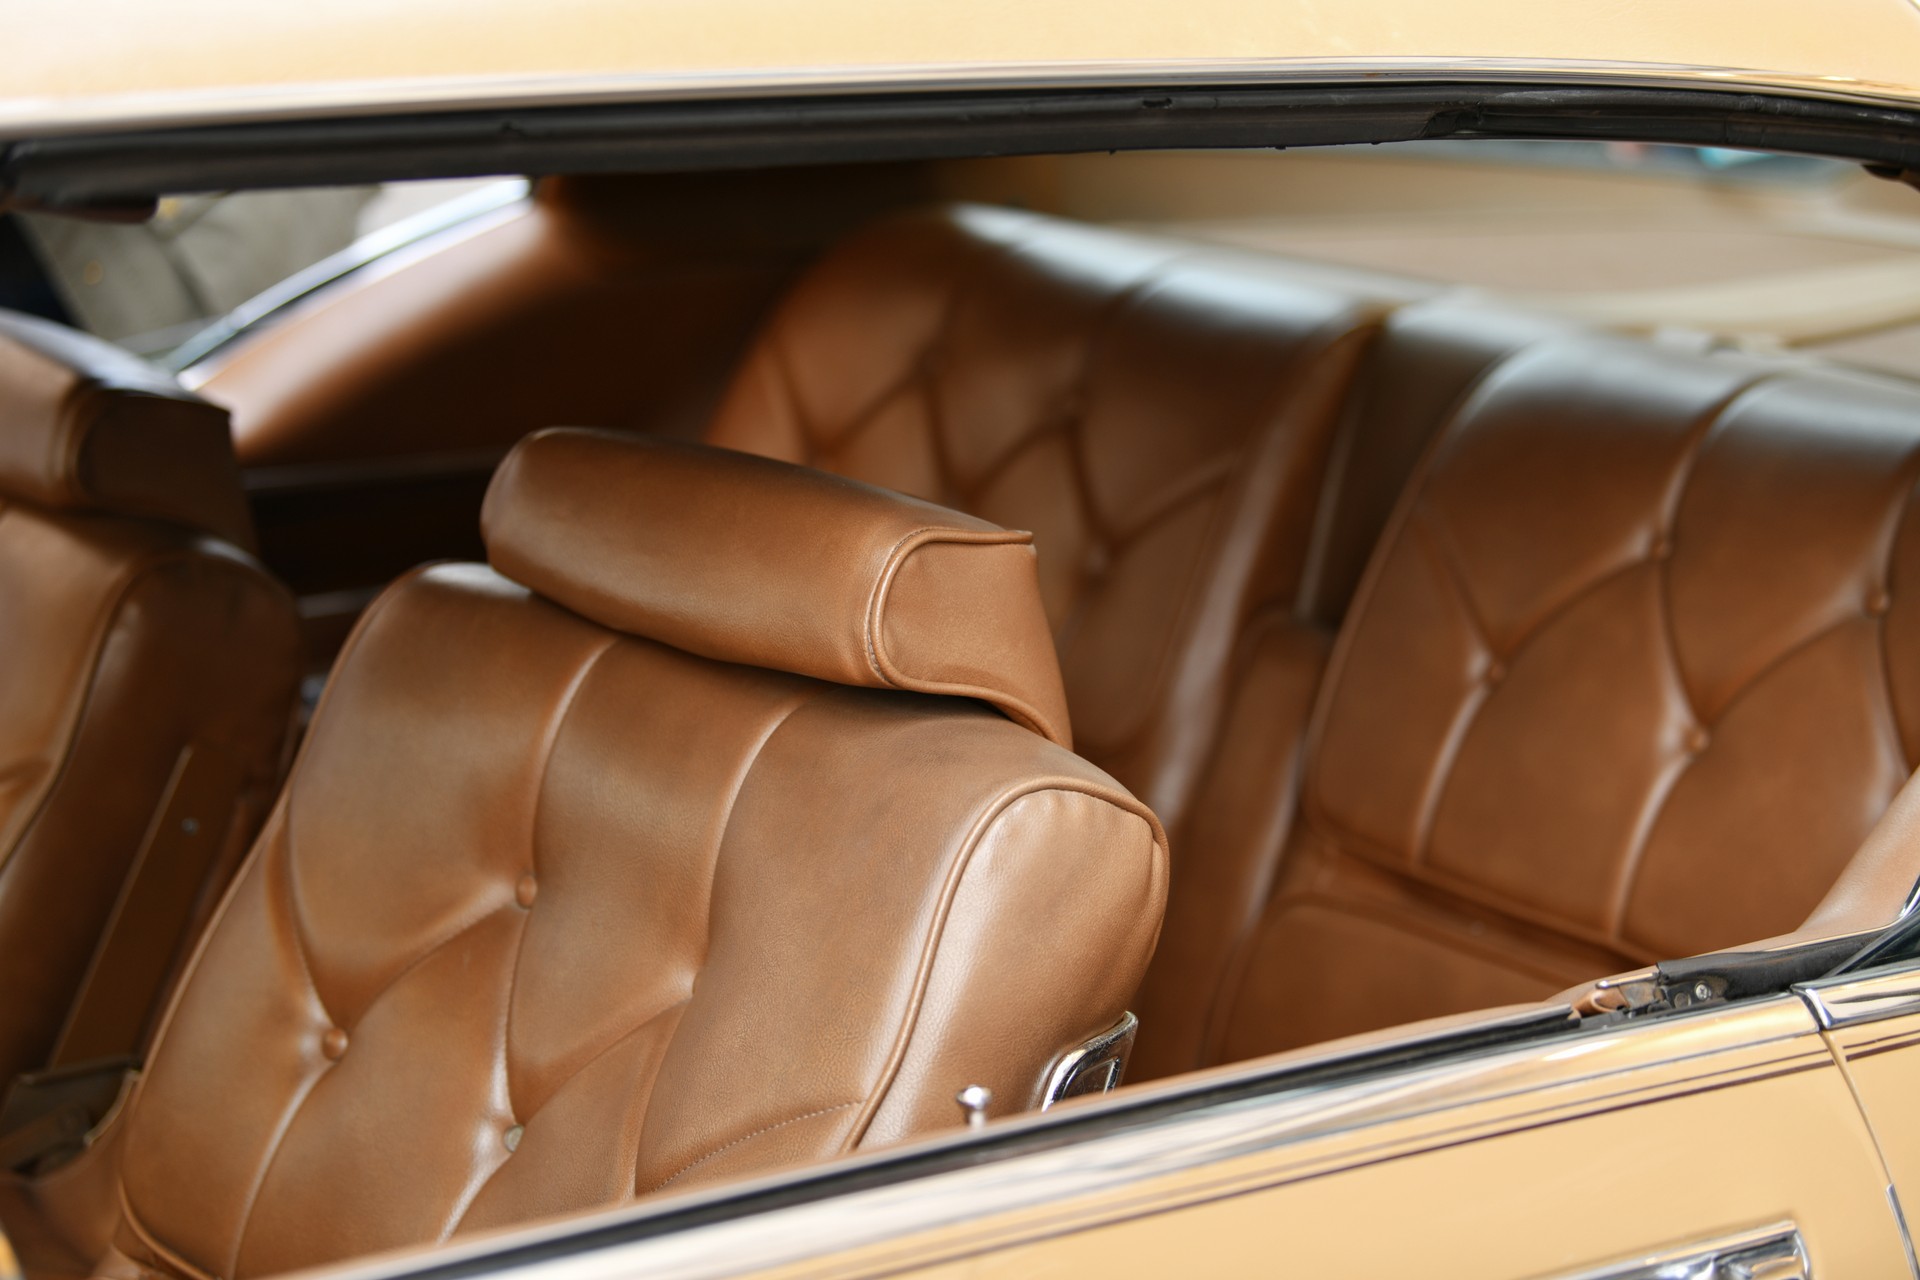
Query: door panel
{"points": [[1873, 1024], [1580, 1154], [1565, 1199]]}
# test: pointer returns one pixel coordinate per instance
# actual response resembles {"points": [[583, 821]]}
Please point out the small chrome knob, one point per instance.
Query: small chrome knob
{"points": [[973, 1102]]}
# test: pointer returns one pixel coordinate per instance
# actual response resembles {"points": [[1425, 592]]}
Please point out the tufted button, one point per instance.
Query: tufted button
{"points": [[1696, 739], [527, 890], [334, 1044], [1878, 601], [512, 1138], [1095, 562], [1496, 671], [1662, 548]]}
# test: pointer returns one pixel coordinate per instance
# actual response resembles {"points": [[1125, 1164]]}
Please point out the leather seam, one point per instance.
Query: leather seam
{"points": [[943, 908], [1400, 519], [158, 1250], [569, 700], [1018, 708], [733, 800], [103, 629], [1294, 404], [1365, 850], [1098, 333], [1902, 513], [1467, 714], [270, 1156], [433, 949], [361, 628], [720, 842], [296, 1105], [465, 1206], [744, 1138], [251, 865], [866, 415]]}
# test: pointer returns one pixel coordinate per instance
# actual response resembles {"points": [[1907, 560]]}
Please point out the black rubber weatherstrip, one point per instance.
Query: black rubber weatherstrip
{"points": [[108, 168]]}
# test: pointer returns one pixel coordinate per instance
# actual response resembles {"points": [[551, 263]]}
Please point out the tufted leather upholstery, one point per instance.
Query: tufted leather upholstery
{"points": [[1632, 676], [149, 671], [1158, 415], [1425, 362], [551, 914]]}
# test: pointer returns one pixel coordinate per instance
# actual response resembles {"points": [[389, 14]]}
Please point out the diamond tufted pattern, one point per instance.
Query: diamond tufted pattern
{"points": [[1157, 414], [1636, 669], [550, 914]]}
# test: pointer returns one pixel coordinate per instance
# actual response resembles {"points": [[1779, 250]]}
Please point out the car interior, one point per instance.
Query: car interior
{"points": [[673, 678]]}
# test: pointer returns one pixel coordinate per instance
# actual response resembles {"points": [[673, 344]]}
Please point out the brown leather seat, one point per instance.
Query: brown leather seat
{"points": [[1634, 672], [1208, 448], [146, 691], [725, 822], [1160, 415]]}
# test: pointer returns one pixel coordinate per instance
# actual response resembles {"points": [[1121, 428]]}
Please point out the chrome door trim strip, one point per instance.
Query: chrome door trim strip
{"points": [[1774, 1252], [1853, 999], [871, 1200]]}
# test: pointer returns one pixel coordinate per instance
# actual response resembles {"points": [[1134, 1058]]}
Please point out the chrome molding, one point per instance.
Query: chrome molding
{"points": [[1115, 1146], [1766, 1253], [1096, 1066], [1851, 999]]}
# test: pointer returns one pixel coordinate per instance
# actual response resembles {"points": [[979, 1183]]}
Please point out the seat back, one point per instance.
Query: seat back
{"points": [[1158, 414], [723, 823], [1631, 676], [146, 692]]}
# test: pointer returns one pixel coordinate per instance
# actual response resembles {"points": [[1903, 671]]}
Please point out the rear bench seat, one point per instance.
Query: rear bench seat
{"points": [[1615, 687], [1160, 416], [1633, 673]]}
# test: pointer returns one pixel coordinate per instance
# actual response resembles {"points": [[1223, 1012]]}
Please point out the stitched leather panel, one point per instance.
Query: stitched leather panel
{"points": [[550, 916], [1158, 415], [1627, 680]]}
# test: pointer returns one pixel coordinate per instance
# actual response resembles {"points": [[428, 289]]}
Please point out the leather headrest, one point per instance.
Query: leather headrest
{"points": [[744, 559], [85, 426]]}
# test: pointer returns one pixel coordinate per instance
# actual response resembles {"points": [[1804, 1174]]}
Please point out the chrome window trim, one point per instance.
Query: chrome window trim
{"points": [[1774, 1252]]}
